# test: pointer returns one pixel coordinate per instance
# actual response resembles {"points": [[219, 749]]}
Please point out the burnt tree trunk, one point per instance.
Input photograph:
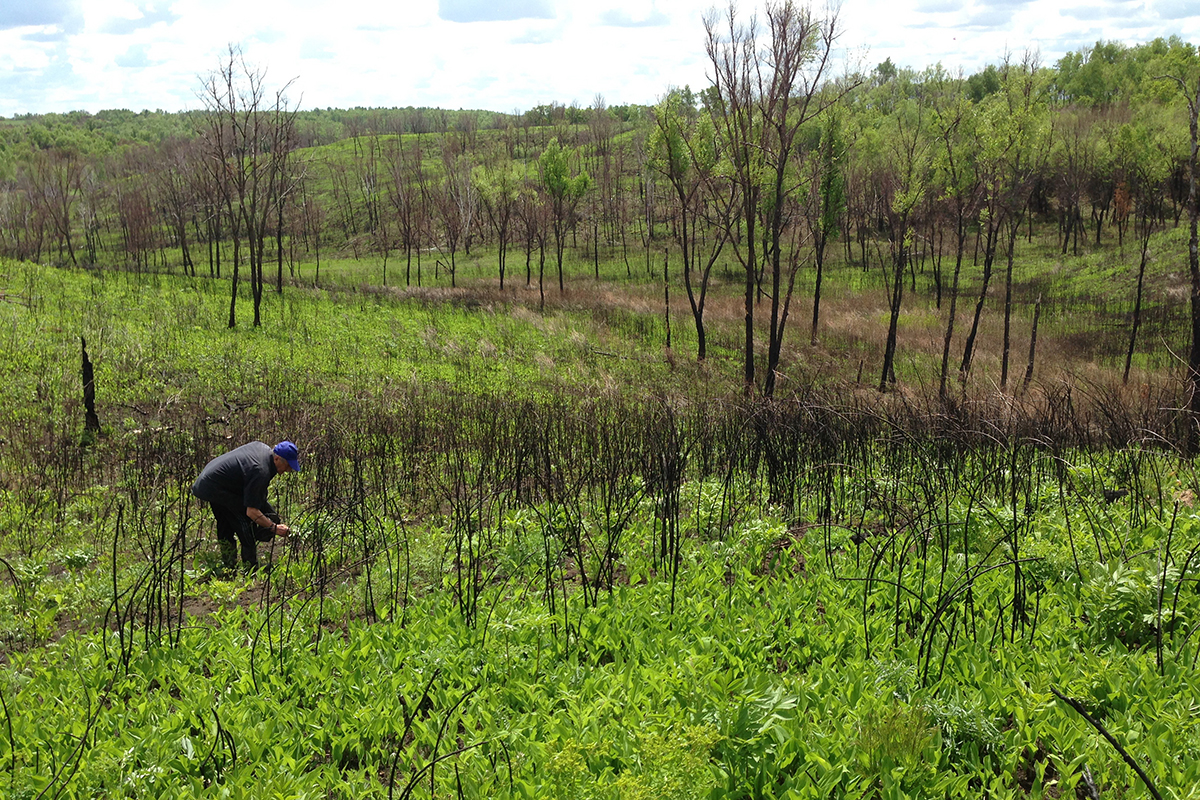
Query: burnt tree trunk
{"points": [[1037, 313], [91, 422]]}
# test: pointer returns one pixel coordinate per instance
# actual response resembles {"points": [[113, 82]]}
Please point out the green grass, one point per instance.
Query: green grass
{"points": [[477, 573], [160, 339]]}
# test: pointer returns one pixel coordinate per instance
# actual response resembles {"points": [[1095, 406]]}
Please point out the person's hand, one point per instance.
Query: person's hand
{"points": [[282, 530]]}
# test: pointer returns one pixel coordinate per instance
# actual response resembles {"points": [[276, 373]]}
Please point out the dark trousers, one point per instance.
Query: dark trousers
{"points": [[234, 527]]}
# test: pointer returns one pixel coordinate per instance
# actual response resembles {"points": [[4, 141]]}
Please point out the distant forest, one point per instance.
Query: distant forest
{"points": [[780, 165]]}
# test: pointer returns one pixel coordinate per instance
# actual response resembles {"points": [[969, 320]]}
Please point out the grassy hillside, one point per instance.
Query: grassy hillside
{"points": [[535, 555]]}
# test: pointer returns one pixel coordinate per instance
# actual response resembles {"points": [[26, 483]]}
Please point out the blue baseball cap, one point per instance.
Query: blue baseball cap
{"points": [[289, 453]]}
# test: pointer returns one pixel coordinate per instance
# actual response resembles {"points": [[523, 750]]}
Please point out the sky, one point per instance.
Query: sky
{"points": [[499, 55]]}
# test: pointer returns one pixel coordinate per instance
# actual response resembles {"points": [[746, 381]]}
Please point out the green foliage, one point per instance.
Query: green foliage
{"points": [[555, 164], [983, 83], [832, 185], [968, 733], [666, 763], [1121, 600], [747, 683], [683, 144], [898, 746], [1111, 72]]}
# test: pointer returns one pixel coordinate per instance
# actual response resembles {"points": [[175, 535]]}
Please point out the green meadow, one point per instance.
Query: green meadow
{"points": [[536, 554]]}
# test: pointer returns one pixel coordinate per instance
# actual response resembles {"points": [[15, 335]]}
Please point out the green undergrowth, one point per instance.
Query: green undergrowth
{"points": [[777, 664]]}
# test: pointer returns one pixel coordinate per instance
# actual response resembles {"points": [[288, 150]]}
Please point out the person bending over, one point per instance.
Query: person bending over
{"points": [[235, 486]]}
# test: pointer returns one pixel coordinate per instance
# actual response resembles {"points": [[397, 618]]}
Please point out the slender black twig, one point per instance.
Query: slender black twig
{"points": [[1075, 704], [408, 790], [1162, 585], [408, 721], [12, 745]]}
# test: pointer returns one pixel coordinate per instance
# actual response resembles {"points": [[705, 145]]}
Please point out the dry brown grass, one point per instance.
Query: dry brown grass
{"points": [[1075, 359]]}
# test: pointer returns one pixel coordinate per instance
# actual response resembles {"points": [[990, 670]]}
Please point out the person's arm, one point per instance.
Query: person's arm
{"points": [[263, 521]]}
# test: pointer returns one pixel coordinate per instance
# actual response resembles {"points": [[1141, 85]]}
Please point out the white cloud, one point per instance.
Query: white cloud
{"points": [[62, 14], [144, 16], [316, 49], [134, 58], [1175, 9], [516, 54], [535, 35], [633, 15], [493, 10], [18, 53], [938, 7]]}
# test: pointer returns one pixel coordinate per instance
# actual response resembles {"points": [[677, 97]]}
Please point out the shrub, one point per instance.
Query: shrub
{"points": [[1120, 600]]}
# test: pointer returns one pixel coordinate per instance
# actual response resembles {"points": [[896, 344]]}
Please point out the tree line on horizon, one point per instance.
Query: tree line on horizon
{"points": [[778, 165]]}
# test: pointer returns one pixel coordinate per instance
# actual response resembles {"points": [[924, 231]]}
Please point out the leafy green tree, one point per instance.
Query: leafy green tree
{"points": [[824, 202], [683, 148], [899, 148], [1095, 76], [1143, 159], [564, 190], [499, 187], [956, 182], [1012, 130], [983, 83], [884, 71], [1183, 69]]}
